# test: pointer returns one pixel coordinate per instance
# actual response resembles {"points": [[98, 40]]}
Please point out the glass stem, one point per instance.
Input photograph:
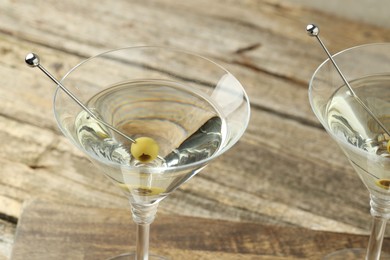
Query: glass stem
{"points": [[142, 252], [143, 216], [380, 211], [376, 238]]}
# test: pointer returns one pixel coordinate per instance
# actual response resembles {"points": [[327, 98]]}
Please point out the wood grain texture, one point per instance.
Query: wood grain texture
{"points": [[285, 170], [55, 231]]}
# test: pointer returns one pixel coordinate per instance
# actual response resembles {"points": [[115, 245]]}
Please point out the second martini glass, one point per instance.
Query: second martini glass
{"points": [[362, 139], [194, 110]]}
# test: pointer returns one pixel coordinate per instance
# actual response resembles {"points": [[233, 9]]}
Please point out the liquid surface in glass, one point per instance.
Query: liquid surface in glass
{"points": [[348, 120], [185, 124]]}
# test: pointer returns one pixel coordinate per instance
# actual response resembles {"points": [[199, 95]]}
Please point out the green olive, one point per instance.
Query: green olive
{"points": [[145, 149], [383, 183]]}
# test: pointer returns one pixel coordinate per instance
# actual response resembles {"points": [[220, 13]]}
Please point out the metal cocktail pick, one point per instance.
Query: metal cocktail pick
{"points": [[33, 61], [313, 30]]}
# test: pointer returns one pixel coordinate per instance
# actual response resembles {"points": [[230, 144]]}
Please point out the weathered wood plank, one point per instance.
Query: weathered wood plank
{"points": [[69, 232]]}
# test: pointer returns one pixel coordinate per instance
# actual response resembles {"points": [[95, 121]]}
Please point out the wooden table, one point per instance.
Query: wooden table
{"points": [[285, 181]]}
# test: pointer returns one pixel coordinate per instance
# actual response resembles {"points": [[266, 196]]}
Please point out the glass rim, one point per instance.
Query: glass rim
{"points": [[160, 169], [316, 112]]}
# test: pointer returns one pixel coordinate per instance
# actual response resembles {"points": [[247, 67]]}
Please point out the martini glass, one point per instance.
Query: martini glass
{"points": [[194, 110], [363, 140]]}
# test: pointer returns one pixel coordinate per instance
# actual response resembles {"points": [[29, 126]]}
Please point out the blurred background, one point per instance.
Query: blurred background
{"points": [[373, 12]]}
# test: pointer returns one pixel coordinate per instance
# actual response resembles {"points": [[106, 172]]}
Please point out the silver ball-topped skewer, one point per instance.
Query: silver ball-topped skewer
{"points": [[33, 61], [314, 31]]}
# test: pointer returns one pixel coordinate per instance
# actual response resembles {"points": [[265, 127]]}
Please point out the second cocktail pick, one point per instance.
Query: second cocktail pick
{"points": [[314, 31]]}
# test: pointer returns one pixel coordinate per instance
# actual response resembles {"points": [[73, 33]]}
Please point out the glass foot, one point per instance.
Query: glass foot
{"points": [[352, 254], [131, 256]]}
